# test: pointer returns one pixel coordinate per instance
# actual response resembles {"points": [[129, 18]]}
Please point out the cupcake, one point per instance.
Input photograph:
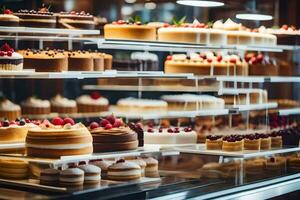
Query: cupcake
{"points": [[92, 103], [35, 106], [60, 104], [9, 110]]}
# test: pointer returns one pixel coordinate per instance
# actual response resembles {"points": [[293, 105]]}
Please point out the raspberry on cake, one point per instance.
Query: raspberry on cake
{"points": [[276, 140], [75, 20], [8, 19], [92, 103], [60, 104], [9, 110], [9, 59]]}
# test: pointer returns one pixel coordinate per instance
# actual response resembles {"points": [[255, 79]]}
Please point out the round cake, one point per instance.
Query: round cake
{"points": [[92, 174], [112, 135], [8, 19], [75, 20], [71, 177], [35, 106], [59, 138], [49, 176], [126, 30], [124, 171], [98, 59], [13, 169], [60, 104], [10, 60], [214, 142], [108, 60], [9, 110], [92, 103], [80, 61]]}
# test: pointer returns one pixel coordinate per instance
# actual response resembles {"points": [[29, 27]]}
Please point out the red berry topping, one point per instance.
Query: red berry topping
{"points": [[6, 48], [73, 12], [9, 53], [69, 121], [111, 119], [57, 121], [253, 60], [0, 124], [118, 123], [232, 60], [259, 57], [95, 95], [121, 22], [166, 25], [219, 58], [160, 130], [150, 130], [202, 55], [169, 57], [108, 126], [94, 125], [104, 122], [7, 11], [2, 53], [114, 23], [12, 122], [209, 60], [285, 27], [170, 130], [139, 125]]}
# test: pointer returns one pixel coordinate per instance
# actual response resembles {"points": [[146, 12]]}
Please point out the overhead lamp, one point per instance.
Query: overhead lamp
{"points": [[200, 3], [252, 14]]}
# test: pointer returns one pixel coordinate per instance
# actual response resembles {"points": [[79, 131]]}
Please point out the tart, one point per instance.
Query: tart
{"points": [[10, 60], [60, 104], [124, 171], [8, 19], [252, 142], [35, 106], [92, 103], [80, 61], [9, 110], [233, 143], [75, 20], [214, 142]]}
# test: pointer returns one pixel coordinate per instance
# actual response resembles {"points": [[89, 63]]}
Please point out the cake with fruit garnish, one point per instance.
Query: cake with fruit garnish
{"points": [[41, 18], [9, 59], [134, 105], [214, 142], [60, 104], [284, 30], [207, 63], [176, 135], [111, 134], [233, 143], [275, 165], [75, 20], [92, 103], [132, 29], [9, 110], [261, 65], [35, 106], [265, 141], [80, 61], [60, 137], [276, 139], [251, 142], [8, 19], [45, 61]]}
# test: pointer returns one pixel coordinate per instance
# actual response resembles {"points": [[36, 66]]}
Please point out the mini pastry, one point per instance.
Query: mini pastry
{"points": [[80, 61], [9, 110], [9, 59], [214, 142], [49, 176], [265, 141], [92, 174], [92, 103], [103, 164], [35, 106], [60, 104], [233, 143], [252, 142], [211, 170], [141, 163], [13, 169], [8, 19], [293, 164], [71, 177], [124, 171], [75, 20], [151, 169], [276, 140]]}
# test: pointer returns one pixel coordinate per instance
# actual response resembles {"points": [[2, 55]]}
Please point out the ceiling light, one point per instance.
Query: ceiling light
{"points": [[254, 16], [130, 1], [150, 6], [200, 3]]}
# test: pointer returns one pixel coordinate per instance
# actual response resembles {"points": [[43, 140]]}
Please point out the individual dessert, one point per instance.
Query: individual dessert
{"points": [[112, 135], [211, 170], [293, 163], [35, 106], [10, 60], [60, 104], [151, 169], [103, 164], [124, 171], [233, 143], [92, 103], [41, 18], [214, 142], [174, 135], [61, 137], [252, 142], [75, 20], [49, 176], [108, 60], [261, 65], [132, 29], [71, 177], [276, 140], [45, 60], [254, 167], [141, 163], [284, 29], [265, 141], [230, 169], [275, 165], [98, 61], [134, 105], [9, 110], [80, 61], [92, 174], [193, 102], [8, 19], [206, 64], [13, 169]]}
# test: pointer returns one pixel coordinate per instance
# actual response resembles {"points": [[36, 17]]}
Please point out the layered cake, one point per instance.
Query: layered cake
{"points": [[71, 177], [129, 30], [41, 18], [193, 102], [276, 139], [261, 65], [134, 105], [206, 64], [254, 168], [108, 60], [124, 171], [233, 143], [140, 162], [276, 165], [214, 142], [62, 137], [170, 136], [49, 176], [75, 20], [45, 61], [151, 169], [98, 61], [9, 110], [92, 103], [14, 169], [112, 135], [103, 165], [92, 174], [10, 60], [293, 163], [35, 106], [60, 104], [8, 19], [265, 141], [252, 142], [211, 170], [80, 61]]}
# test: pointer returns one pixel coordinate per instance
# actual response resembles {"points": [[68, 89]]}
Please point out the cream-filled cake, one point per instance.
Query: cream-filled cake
{"points": [[9, 59], [8, 19], [92, 103], [35, 106], [60, 104], [9, 110]]}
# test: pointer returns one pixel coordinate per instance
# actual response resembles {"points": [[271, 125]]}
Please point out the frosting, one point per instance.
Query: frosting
{"points": [[218, 25], [86, 99], [90, 169], [7, 105], [92, 177], [72, 171], [58, 100], [34, 102], [130, 101], [231, 25], [125, 173], [124, 166]]}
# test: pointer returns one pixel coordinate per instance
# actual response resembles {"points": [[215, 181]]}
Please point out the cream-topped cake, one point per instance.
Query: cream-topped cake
{"points": [[8, 19], [9, 59], [9, 110], [92, 103], [60, 104], [35, 106], [170, 136]]}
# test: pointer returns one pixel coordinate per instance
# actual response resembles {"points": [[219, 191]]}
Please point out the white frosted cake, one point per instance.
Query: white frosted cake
{"points": [[10, 60], [60, 104]]}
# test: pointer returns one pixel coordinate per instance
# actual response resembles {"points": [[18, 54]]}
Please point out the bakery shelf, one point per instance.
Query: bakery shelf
{"points": [[47, 38], [291, 111], [253, 107]]}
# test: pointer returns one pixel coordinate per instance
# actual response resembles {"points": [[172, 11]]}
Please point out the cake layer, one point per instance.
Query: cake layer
{"points": [[103, 147]]}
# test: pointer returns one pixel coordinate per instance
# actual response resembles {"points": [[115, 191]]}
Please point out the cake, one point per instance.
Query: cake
{"points": [[49, 176], [41, 18], [174, 135], [211, 170], [261, 65], [207, 63], [275, 165], [71, 177], [80, 61], [132, 29], [230, 170], [103, 164], [59, 138], [293, 163], [8, 19], [151, 169], [13, 169], [45, 60], [252, 142], [254, 168], [233, 143], [60, 104], [214, 142], [141, 163], [286, 103], [98, 61], [112, 135], [9, 110], [193, 102], [108, 60], [134, 105], [138, 128], [75, 20], [265, 141], [276, 140], [92, 103], [92, 174], [124, 171], [10, 60], [35, 106]]}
